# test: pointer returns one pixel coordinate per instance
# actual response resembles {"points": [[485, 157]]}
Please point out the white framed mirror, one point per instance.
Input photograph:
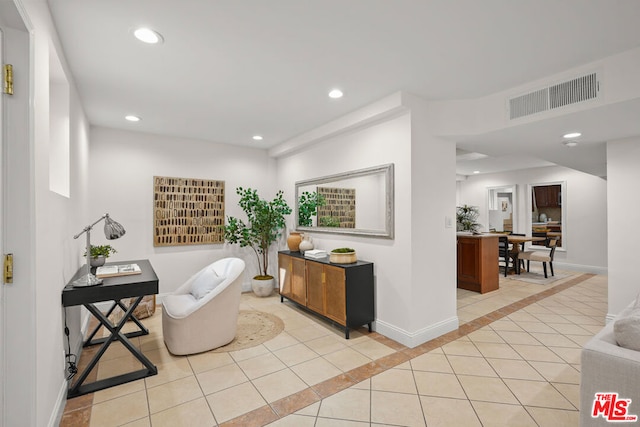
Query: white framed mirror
{"points": [[501, 207], [358, 202]]}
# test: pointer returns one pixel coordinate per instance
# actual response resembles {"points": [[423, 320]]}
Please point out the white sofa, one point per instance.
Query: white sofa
{"points": [[607, 367], [202, 314]]}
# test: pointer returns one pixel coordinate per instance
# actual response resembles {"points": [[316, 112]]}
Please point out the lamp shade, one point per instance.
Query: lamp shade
{"points": [[112, 229]]}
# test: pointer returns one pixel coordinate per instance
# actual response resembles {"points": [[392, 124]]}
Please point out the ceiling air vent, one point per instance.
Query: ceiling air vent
{"points": [[528, 104], [576, 90], [559, 95]]}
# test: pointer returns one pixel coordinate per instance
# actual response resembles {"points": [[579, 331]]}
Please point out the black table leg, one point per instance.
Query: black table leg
{"points": [[78, 389], [142, 329]]}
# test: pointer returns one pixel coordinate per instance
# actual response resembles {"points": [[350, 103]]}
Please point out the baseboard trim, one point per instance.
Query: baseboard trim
{"points": [[56, 415], [581, 268], [61, 400], [414, 339]]}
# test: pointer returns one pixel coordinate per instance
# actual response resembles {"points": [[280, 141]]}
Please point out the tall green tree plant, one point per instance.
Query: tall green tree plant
{"points": [[265, 221]]}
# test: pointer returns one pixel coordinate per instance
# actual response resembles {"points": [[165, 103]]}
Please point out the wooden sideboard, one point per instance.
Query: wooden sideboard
{"points": [[341, 293], [478, 268]]}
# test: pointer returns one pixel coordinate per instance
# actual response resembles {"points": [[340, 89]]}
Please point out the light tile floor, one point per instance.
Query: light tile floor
{"points": [[514, 361]]}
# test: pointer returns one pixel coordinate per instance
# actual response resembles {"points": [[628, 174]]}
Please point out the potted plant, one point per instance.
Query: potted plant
{"points": [[308, 204], [99, 254], [265, 220], [343, 256], [466, 217]]}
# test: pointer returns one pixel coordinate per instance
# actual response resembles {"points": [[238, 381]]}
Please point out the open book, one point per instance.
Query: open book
{"points": [[117, 270]]}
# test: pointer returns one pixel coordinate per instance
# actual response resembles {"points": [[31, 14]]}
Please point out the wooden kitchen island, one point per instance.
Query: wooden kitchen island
{"points": [[478, 268]]}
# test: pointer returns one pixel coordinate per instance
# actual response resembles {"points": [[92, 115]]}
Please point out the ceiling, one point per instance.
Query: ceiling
{"points": [[230, 69]]}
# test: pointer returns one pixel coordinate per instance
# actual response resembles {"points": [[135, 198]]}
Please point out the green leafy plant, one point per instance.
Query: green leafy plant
{"points": [[265, 220], [104, 250], [328, 221], [342, 250], [308, 204], [466, 218]]}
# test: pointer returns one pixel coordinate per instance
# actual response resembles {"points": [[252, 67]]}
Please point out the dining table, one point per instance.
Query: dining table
{"points": [[517, 241]]}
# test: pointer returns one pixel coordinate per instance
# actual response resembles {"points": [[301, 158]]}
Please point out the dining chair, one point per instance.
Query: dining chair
{"points": [[543, 257], [521, 249], [504, 252], [539, 234]]}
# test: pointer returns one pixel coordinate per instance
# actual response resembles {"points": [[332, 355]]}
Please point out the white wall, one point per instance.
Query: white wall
{"points": [[414, 271], [433, 244], [387, 142], [123, 165], [623, 205], [585, 231]]}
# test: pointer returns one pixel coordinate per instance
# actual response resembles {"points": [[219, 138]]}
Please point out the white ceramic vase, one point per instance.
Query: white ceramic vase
{"points": [[306, 244], [262, 287]]}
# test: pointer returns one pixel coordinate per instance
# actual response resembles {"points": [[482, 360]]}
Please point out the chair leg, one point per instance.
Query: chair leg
{"points": [[551, 266], [527, 266], [544, 267]]}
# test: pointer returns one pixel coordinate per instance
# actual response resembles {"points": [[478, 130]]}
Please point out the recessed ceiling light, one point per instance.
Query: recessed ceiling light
{"points": [[147, 35], [476, 171], [335, 93], [570, 143], [571, 135], [257, 138], [132, 118]]}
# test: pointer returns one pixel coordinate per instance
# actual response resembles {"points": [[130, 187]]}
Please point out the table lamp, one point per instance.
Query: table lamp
{"points": [[112, 230]]}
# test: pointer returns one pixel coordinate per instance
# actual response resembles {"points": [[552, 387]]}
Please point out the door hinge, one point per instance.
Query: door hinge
{"points": [[8, 268], [8, 78]]}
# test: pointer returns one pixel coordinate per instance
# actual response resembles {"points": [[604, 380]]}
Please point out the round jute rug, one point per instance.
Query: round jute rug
{"points": [[254, 327]]}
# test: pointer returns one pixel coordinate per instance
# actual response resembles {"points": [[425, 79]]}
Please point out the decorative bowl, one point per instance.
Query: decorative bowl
{"points": [[343, 257]]}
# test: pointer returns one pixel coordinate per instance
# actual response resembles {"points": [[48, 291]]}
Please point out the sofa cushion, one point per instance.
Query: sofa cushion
{"points": [[626, 327], [178, 306], [205, 282]]}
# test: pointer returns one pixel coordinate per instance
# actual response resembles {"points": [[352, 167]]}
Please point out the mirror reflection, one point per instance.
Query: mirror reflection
{"points": [[502, 215], [547, 216], [358, 202]]}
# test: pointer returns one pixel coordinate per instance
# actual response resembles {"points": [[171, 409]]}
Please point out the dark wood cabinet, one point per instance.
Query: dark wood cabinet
{"points": [[478, 268], [341, 293], [547, 196]]}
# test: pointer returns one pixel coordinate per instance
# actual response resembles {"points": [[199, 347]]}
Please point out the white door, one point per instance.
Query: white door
{"points": [[17, 303], [2, 217]]}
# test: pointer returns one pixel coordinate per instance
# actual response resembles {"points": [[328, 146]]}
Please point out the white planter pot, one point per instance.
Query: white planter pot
{"points": [[262, 287], [97, 261]]}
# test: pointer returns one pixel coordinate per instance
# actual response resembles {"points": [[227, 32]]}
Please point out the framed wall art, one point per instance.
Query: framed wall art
{"points": [[339, 209], [187, 211]]}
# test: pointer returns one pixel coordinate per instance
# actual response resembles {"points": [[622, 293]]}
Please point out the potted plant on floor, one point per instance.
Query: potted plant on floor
{"points": [[265, 221], [99, 254]]}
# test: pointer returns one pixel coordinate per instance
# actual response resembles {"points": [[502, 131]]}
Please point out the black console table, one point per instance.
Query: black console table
{"points": [[113, 289], [341, 293]]}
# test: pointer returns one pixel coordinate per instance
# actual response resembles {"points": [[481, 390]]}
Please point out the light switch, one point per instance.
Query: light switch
{"points": [[448, 222]]}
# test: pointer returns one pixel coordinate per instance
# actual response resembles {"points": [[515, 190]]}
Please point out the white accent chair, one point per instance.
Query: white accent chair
{"points": [[202, 314]]}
